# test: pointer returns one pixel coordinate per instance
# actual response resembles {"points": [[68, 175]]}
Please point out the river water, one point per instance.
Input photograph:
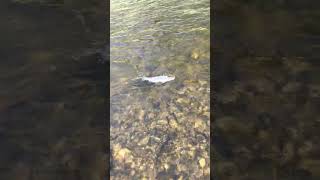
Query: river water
{"points": [[52, 90], [160, 131]]}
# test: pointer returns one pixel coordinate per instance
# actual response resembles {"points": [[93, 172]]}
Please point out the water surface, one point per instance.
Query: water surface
{"points": [[160, 131]]}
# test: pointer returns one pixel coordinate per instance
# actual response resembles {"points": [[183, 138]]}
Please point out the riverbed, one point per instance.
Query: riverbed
{"points": [[160, 131]]}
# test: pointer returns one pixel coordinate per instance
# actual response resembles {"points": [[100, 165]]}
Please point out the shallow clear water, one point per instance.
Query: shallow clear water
{"points": [[160, 131]]}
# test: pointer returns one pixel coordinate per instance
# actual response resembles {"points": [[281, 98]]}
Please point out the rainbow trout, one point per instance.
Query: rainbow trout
{"points": [[155, 79]]}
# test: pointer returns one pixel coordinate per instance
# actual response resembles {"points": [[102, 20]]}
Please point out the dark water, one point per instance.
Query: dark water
{"points": [[52, 90], [266, 70]]}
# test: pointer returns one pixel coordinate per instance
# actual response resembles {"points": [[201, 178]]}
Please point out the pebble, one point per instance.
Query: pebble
{"points": [[144, 141], [191, 153], [122, 154], [173, 124], [198, 124], [207, 114], [162, 122], [182, 101], [166, 166], [195, 54], [202, 162], [141, 115], [172, 116]]}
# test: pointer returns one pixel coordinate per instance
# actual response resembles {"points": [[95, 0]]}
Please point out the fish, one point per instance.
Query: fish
{"points": [[157, 79]]}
